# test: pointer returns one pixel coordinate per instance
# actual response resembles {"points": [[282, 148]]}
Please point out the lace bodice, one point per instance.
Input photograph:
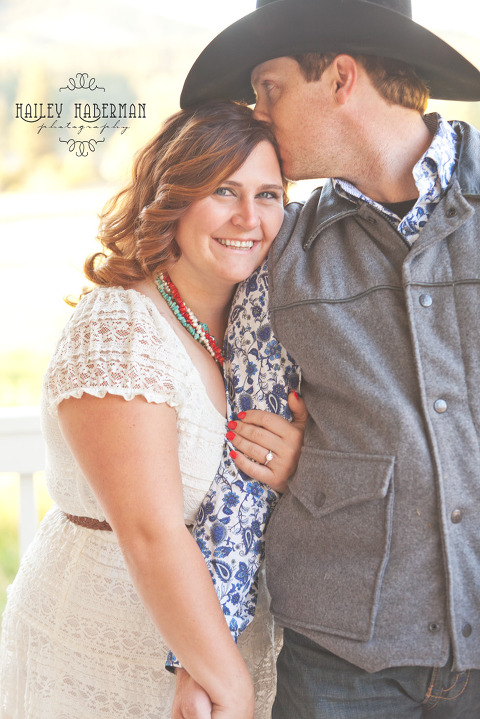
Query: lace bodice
{"points": [[117, 342]]}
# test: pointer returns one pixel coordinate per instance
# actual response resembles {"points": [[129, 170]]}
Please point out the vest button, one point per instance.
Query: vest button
{"points": [[320, 499], [426, 300], [440, 406], [434, 627], [466, 629], [456, 516], [451, 212]]}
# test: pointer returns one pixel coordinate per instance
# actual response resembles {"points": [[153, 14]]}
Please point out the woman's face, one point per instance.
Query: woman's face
{"points": [[225, 236]]}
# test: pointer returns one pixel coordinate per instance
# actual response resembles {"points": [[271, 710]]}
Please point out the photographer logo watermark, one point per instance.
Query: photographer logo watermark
{"points": [[81, 125]]}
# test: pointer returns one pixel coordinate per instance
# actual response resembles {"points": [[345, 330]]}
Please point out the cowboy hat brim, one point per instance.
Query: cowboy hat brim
{"points": [[294, 27]]}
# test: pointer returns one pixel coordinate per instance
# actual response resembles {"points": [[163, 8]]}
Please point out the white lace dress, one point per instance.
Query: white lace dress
{"points": [[76, 641]]}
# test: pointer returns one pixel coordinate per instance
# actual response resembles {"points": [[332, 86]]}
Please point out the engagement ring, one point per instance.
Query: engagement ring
{"points": [[269, 457]]}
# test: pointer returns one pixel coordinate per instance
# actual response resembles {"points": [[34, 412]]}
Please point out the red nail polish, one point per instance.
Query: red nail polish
{"points": [[242, 415], [233, 454], [230, 435], [296, 395], [232, 424]]}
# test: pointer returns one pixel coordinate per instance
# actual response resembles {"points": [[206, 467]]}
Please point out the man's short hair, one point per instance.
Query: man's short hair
{"points": [[396, 81]]}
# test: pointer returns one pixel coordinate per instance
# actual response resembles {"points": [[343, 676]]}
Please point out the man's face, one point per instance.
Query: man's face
{"points": [[300, 114]]}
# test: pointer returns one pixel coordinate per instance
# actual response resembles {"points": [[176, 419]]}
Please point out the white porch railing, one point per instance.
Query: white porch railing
{"points": [[22, 451]]}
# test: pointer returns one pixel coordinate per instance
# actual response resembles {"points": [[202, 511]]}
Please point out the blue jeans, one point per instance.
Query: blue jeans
{"points": [[312, 683]]}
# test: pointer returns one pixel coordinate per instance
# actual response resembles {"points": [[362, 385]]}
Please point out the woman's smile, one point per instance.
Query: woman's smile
{"points": [[236, 244]]}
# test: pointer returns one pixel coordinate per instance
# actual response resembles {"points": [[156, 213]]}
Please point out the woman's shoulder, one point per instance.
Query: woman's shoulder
{"points": [[118, 323], [122, 312], [116, 342], [111, 301]]}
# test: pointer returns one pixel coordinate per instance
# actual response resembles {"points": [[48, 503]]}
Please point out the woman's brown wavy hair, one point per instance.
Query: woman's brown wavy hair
{"points": [[193, 153]]}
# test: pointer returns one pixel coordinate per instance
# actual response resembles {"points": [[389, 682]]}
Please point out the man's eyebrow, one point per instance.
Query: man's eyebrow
{"points": [[261, 76], [255, 75]]}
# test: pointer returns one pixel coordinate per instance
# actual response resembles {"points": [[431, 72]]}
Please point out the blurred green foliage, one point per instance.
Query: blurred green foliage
{"points": [[21, 373]]}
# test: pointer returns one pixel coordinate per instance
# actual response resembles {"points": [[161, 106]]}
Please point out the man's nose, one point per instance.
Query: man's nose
{"points": [[260, 112]]}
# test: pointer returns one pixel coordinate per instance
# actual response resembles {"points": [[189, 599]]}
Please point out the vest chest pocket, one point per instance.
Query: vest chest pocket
{"points": [[328, 543]]}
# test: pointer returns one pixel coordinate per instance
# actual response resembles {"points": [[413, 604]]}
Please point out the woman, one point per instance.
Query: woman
{"points": [[134, 420]]}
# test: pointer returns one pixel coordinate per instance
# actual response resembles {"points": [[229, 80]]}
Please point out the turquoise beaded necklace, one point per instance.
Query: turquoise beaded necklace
{"points": [[198, 330]]}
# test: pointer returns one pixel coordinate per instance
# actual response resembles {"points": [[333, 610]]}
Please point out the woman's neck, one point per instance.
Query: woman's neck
{"points": [[211, 305]]}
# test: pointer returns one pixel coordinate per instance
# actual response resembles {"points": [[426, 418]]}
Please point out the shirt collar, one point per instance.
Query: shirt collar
{"points": [[441, 156], [432, 174]]}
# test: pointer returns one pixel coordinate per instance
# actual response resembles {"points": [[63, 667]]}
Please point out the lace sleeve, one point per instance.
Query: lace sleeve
{"points": [[115, 342]]}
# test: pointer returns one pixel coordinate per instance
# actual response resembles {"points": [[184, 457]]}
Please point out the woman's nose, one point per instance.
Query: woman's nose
{"points": [[246, 215]]}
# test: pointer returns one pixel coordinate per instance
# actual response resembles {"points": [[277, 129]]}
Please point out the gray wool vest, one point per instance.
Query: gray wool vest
{"points": [[374, 550]]}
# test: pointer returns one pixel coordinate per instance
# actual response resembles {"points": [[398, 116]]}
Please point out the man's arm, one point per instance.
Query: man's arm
{"points": [[230, 524]]}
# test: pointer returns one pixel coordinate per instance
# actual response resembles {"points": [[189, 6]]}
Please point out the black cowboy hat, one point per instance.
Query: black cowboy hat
{"points": [[280, 28]]}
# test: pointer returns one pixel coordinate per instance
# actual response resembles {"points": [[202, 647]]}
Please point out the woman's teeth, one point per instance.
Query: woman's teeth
{"points": [[246, 244]]}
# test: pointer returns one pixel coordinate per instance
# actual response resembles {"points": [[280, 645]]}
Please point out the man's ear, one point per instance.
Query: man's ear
{"points": [[343, 78]]}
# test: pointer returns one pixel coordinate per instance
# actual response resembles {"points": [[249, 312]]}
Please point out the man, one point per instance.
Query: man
{"points": [[373, 554]]}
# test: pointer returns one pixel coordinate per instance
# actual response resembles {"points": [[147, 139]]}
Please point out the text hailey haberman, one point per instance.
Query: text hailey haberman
{"points": [[87, 116]]}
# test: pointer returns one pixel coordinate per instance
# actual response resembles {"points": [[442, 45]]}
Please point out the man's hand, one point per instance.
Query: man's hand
{"points": [[191, 700]]}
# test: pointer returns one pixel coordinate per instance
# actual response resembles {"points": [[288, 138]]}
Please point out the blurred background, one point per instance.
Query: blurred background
{"points": [[139, 52]]}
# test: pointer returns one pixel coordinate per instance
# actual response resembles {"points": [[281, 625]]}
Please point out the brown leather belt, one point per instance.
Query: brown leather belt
{"points": [[89, 523]]}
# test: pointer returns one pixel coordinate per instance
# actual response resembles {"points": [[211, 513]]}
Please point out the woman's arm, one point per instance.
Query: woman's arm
{"points": [[128, 453], [256, 433]]}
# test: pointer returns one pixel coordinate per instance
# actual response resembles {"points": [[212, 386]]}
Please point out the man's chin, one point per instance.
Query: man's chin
{"points": [[294, 172], [290, 172], [298, 175]]}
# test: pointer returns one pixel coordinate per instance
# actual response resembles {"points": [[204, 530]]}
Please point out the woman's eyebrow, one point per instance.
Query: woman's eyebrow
{"points": [[264, 186]]}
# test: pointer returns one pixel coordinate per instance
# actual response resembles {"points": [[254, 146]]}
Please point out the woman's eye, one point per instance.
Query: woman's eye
{"points": [[223, 191], [268, 195]]}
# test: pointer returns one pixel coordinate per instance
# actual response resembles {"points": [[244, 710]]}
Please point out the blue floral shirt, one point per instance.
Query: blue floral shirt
{"points": [[432, 175], [230, 524]]}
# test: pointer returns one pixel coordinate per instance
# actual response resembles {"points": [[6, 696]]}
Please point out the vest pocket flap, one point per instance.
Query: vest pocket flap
{"points": [[328, 543], [328, 481]]}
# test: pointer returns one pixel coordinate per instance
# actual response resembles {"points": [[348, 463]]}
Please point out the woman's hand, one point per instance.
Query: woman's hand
{"points": [[257, 433], [191, 701]]}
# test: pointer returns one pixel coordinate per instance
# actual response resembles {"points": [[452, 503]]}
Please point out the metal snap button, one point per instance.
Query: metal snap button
{"points": [[425, 300], [440, 406], [434, 627], [451, 212], [456, 516]]}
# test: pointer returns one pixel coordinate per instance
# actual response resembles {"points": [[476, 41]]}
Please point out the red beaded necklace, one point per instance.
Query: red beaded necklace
{"points": [[185, 316]]}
